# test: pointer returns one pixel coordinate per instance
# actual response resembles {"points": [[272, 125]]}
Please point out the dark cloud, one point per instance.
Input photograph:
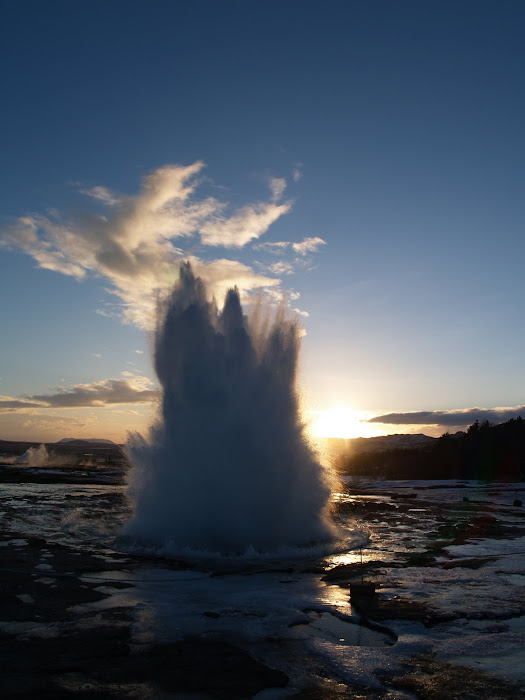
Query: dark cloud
{"points": [[103, 393], [451, 418], [16, 404], [107, 392]]}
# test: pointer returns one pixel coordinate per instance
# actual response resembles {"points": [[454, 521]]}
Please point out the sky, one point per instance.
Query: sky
{"points": [[364, 158]]}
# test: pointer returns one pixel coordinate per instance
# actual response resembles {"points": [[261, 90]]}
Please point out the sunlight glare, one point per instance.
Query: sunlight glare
{"points": [[339, 422]]}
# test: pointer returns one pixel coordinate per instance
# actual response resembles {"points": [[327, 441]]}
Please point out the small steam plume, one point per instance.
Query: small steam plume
{"points": [[37, 457], [226, 467], [34, 457]]}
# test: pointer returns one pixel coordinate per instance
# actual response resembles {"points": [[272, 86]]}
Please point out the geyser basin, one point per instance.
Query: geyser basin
{"points": [[226, 467]]}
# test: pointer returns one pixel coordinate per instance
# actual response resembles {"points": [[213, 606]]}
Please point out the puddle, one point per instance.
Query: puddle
{"points": [[516, 579], [506, 664], [346, 633], [26, 630], [15, 542], [516, 624]]}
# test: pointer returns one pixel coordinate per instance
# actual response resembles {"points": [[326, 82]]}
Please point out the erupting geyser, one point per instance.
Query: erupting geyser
{"points": [[226, 467]]}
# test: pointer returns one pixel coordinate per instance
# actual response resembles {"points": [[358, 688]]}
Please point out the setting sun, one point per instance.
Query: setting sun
{"points": [[340, 422]]}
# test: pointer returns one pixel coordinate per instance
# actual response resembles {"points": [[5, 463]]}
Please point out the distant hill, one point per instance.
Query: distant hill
{"points": [[381, 443], [84, 441]]}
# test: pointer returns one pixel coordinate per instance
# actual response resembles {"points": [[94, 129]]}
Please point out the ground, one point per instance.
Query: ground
{"points": [[81, 619]]}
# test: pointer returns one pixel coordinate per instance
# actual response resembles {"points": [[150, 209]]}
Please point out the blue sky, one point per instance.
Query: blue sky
{"points": [[382, 142]]}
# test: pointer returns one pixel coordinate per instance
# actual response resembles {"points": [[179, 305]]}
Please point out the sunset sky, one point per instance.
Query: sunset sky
{"points": [[367, 158]]}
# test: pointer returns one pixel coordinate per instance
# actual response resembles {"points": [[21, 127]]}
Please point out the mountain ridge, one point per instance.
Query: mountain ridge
{"points": [[79, 441]]}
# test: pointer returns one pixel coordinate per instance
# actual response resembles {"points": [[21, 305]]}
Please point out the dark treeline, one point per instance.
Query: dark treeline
{"points": [[487, 452]]}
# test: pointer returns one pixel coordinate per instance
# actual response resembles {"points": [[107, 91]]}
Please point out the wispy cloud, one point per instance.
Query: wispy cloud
{"points": [[273, 246], [277, 187], [56, 423], [293, 255], [103, 195], [301, 312], [40, 238], [247, 223], [136, 244], [308, 245], [281, 268], [457, 418]]}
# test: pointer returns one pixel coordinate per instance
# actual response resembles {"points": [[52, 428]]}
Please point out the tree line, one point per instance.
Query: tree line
{"points": [[487, 452]]}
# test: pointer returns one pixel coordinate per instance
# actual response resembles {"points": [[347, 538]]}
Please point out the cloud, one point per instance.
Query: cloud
{"points": [[103, 195], [272, 246], [308, 245], [108, 392], [45, 420], [96, 354], [63, 423], [281, 268], [220, 275], [102, 393], [136, 245], [462, 417], [107, 314], [139, 352], [277, 186], [292, 255], [301, 313], [39, 237], [248, 223], [9, 403]]}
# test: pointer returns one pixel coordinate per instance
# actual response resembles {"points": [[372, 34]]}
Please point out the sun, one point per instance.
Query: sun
{"points": [[339, 422]]}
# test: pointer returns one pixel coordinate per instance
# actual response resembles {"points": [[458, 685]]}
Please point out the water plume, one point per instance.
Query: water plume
{"points": [[226, 466]]}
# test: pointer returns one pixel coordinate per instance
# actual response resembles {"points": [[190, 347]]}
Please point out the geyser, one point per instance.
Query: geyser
{"points": [[226, 466], [34, 457]]}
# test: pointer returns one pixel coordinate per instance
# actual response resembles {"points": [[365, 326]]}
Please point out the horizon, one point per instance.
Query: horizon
{"points": [[310, 436], [360, 161]]}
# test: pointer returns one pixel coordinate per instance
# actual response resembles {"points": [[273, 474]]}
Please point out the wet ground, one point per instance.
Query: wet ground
{"points": [[442, 616]]}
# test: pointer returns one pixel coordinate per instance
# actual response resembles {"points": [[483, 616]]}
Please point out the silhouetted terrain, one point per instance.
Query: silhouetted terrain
{"points": [[489, 452], [102, 450], [84, 441]]}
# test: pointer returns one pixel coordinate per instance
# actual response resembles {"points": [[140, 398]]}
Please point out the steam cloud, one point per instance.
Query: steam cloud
{"points": [[226, 466]]}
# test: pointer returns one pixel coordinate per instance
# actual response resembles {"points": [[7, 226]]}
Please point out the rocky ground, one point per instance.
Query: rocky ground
{"points": [[65, 632]]}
